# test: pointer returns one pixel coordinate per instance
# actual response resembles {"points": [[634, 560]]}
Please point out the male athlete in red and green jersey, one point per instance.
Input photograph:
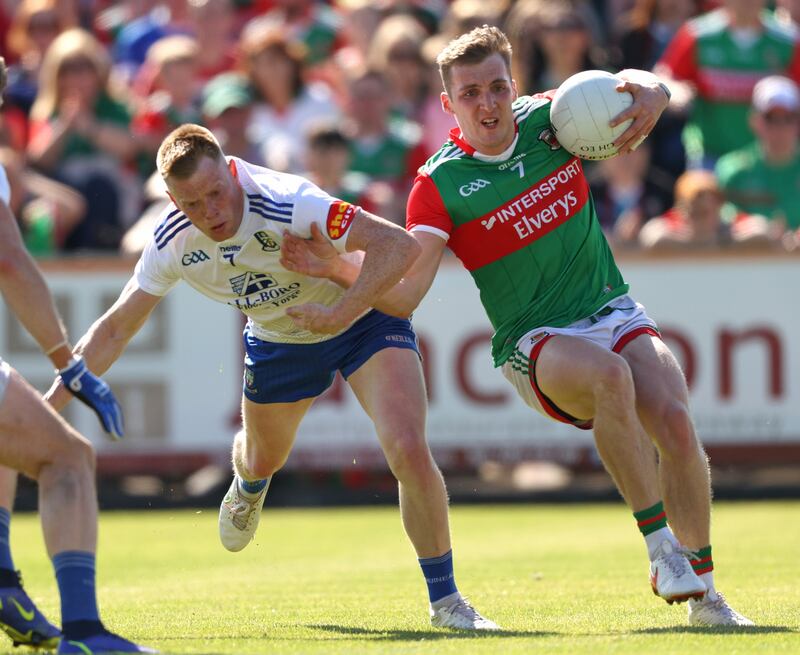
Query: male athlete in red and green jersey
{"points": [[516, 209]]}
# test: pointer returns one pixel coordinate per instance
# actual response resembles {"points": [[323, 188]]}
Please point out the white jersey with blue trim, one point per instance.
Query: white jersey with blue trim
{"points": [[244, 271]]}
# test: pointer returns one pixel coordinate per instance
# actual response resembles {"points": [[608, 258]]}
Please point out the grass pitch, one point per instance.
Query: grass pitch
{"points": [[559, 579]]}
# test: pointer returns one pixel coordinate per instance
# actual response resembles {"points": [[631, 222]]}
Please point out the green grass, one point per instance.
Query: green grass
{"points": [[559, 579]]}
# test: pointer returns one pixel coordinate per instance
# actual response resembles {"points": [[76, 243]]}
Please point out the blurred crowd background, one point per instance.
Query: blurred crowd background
{"points": [[347, 93]]}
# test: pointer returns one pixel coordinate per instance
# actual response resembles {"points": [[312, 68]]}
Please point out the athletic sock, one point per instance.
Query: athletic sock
{"points": [[652, 524], [704, 568], [75, 574], [6, 562], [253, 488], [439, 577]]}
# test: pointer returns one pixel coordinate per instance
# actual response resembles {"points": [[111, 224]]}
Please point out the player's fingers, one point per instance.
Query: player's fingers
{"points": [[316, 233]]}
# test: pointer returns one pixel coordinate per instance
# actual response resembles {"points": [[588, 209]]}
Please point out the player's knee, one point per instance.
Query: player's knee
{"points": [[408, 455], [675, 433], [70, 467], [614, 380]]}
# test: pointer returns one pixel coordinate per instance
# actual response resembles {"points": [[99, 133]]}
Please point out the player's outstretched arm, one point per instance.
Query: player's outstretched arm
{"points": [[20, 281], [27, 294], [107, 338], [650, 99], [317, 257]]}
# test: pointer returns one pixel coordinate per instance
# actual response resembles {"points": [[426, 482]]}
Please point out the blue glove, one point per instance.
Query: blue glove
{"points": [[91, 390]]}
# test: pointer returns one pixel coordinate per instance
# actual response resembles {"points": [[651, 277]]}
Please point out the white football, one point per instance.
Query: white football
{"points": [[581, 109]]}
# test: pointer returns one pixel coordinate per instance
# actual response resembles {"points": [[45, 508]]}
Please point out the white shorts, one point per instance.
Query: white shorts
{"points": [[5, 376], [611, 327]]}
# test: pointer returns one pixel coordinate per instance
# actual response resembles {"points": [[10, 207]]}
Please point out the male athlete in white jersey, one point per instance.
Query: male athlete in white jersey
{"points": [[222, 234]]}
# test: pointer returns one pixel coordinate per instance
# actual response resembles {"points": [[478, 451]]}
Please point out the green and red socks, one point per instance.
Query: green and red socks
{"points": [[652, 523], [704, 568]]}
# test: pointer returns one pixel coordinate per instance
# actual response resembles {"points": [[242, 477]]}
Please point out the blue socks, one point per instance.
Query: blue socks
{"points": [[438, 572], [5, 546], [253, 488], [75, 574]]}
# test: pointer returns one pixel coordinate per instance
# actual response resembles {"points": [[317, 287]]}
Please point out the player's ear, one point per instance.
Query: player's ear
{"points": [[514, 89], [446, 106], [172, 198], [232, 168]]}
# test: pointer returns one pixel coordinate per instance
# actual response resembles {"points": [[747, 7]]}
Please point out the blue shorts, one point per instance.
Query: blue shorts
{"points": [[286, 372]]}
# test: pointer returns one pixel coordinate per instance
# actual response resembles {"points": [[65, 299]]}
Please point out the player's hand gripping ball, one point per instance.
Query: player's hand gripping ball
{"points": [[581, 110]]}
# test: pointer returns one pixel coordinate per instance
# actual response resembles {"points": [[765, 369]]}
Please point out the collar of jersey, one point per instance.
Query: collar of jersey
{"points": [[458, 138]]}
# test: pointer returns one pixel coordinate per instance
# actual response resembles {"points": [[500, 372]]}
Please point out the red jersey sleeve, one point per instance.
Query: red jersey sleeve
{"points": [[680, 57], [794, 66], [425, 207]]}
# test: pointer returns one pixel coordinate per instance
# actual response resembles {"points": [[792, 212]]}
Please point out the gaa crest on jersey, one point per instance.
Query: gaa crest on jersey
{"points": [[548, 137], [340, 215], [268, 242], [250, 282]]}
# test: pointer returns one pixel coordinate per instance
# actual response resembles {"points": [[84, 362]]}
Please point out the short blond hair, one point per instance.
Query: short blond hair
{"points": [[473, 48], [180, 152]]}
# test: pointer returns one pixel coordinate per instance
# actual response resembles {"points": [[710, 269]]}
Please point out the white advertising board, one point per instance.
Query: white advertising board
{"points": [[733, 323]]}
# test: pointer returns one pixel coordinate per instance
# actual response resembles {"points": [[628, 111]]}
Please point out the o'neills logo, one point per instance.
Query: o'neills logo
{"points": [[339, 217]]}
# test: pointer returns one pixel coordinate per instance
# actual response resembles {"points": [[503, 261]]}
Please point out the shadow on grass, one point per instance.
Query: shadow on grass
{"points": [[424, 635], [718, 630]]}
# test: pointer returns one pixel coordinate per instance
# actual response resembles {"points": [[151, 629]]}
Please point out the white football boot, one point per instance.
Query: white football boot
{"points": [[239, 516], [459, 614], [716, 612], [672, 576]]}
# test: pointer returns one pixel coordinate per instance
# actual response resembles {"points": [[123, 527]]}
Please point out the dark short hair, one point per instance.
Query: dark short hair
{"points": [[472, 48], [180, 152], [325, 136]]}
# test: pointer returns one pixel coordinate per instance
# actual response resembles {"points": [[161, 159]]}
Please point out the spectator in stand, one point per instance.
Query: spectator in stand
{"points": [[463, 16], [764, 177], [34, 26], [286, 105], [212, 24], [358, 29], [647, 28], [396, 51], [385, 150], [628, 191], [716, 60], [146, 22], [316, 24], [80, 134], [553, 39], [46, 210], [175, 99], [697, 221], [227, 107], [328, 166]]}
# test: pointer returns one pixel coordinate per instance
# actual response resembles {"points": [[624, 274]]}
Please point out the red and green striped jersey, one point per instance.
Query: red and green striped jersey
{"points": [[523, 224], [724, 68]]}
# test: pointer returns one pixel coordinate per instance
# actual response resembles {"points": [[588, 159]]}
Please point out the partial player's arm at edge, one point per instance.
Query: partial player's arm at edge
{"points": [[109, 335], [20, 281]]}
